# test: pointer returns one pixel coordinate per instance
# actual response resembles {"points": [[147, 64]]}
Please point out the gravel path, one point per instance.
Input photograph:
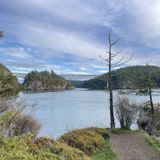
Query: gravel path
{"points": [[132, 147]]}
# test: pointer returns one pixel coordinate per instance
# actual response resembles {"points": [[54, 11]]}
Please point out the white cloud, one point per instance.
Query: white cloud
{"points": [[61, 26], [60, 41], [19, 52], [143, 22]]}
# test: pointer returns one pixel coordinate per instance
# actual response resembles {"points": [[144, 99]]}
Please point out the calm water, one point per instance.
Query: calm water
{"points": [[60, 112]]}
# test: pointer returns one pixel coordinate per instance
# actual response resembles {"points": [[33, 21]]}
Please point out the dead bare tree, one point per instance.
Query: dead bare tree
{"points": [[110, 63]]}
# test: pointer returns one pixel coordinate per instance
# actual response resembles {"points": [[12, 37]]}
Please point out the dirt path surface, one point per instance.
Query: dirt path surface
{"points": [[130, 146]]}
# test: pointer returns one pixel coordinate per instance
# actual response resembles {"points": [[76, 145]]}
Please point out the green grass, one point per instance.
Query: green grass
{"points": [[121, 130], [152, 141], [105, 154]]}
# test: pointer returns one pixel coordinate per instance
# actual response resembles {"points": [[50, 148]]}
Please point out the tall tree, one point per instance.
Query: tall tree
{"points": [[146, 87], [111, 63], [150, 90]]}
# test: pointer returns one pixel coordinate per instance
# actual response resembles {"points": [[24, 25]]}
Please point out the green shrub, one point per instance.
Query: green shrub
{"points": [[17, 148], [26, 147], [64, 151], [87, 140]]}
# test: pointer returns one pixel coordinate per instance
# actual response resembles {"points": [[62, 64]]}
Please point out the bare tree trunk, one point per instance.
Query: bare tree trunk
{"points": [[110, 85], [110, 65], [150, 92], [151, 99]]}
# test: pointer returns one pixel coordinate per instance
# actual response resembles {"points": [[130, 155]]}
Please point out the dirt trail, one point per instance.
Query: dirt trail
{"points": [[130, 146]]}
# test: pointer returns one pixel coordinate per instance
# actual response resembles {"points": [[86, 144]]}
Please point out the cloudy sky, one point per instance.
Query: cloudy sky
{"points": [[69, 35]]}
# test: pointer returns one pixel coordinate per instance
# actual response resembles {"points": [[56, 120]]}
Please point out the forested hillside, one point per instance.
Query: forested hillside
{"points": [[45, 80], [8, 82], [127, 78]]}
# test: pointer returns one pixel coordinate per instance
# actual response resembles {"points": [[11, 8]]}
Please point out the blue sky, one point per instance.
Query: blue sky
{"points": [[68, 35]]}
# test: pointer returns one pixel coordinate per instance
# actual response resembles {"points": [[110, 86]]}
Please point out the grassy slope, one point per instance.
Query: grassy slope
{"points": [[82, 144], [92, 141]]}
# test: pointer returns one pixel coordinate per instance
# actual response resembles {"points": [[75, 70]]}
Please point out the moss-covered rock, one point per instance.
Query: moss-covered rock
{"points": [[8, 82]]}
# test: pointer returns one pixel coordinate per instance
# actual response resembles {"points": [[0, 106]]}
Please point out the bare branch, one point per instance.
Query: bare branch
{"points": [[118, 62], [116, 41], [116, 54], [113, 66], [103, 58]]}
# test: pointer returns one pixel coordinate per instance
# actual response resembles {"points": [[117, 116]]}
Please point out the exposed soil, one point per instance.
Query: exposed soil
{"points": [[131, 146]]}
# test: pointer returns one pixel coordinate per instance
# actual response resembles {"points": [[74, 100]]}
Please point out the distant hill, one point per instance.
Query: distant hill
{"points": [[126, 78], [77, 84], [8, 82], [45, 80]]}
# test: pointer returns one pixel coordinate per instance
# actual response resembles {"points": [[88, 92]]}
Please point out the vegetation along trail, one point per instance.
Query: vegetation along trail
{"points": [[132, 146]]}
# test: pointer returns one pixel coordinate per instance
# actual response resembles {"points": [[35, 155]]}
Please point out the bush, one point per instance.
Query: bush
{"points": [[17, 148], [25, 124], [87, 140], [27, 148], [126, 112], [148, 122], [61, 149], [13, 121]]}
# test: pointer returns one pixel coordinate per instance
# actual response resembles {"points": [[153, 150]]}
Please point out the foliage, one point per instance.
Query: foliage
{"points": [[24, 147], [148, 123], [45, 80], [28, 147], [127, 78], [9, 85], [126, 112], [87, 140], [60, 149]]}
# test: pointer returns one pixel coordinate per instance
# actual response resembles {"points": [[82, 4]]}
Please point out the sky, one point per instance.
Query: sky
{"points": [[68, 36]]}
